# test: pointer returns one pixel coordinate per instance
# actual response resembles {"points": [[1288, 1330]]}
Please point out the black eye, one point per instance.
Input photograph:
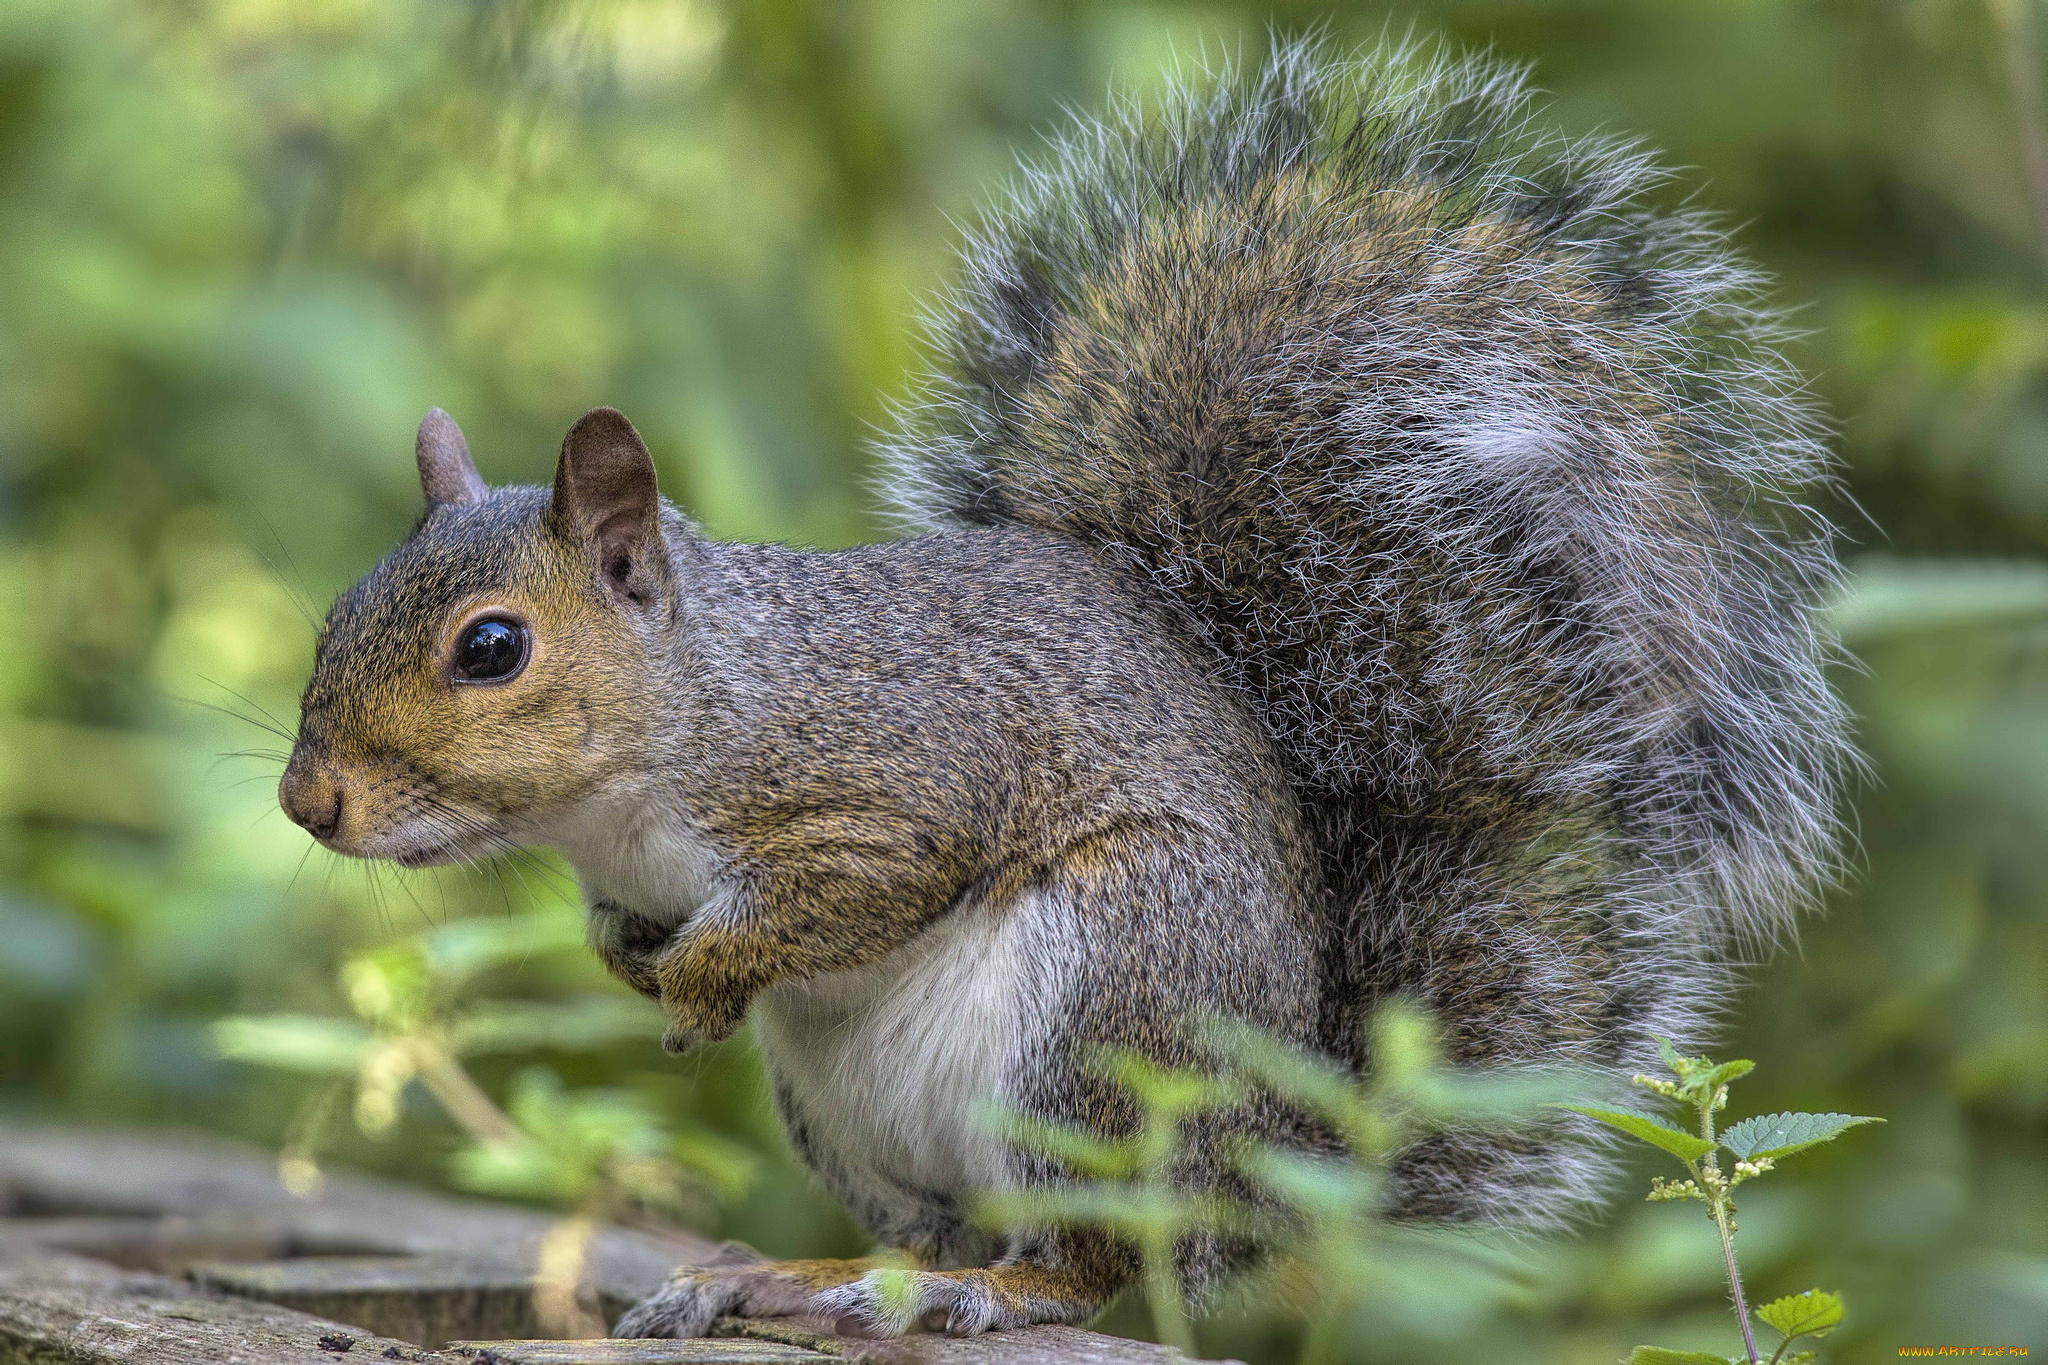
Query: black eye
{"points": [[490, 650]]}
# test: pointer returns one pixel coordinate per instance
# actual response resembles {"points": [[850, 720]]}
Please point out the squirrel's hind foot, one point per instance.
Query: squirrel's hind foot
{"points": [[697, 1296], [871, 1297], [960, 1303]]}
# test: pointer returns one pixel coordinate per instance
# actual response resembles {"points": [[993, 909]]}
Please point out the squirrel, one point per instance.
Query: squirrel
{"points": [[1358, 549]]}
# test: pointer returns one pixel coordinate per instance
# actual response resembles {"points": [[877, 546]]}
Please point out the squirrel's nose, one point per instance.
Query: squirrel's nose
{"points": [[312, 799]]}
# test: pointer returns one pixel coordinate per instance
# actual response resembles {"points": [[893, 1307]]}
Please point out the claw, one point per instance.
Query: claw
{"points": [[684, 1307], [936, 1301], [731, 1254], [734, 1280], [678, 1039]]}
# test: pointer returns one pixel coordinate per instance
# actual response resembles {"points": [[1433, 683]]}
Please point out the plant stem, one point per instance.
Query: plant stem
{"points": [[1162, 1287], [1324, 1338], [1719, 1203], [1734, 1277], [2022, 55], [558, 1269], [464, 1100]]}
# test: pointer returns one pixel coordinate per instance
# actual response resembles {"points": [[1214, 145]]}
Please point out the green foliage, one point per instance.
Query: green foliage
{"points": [[1127, 1185], [1353, 1274], [1895, 599], [1770, 1136], [310, 1043], [581, 1140], [1684, 1146], [601, 1151], [1756, 1144], [243, 245], [1812, 1313]]}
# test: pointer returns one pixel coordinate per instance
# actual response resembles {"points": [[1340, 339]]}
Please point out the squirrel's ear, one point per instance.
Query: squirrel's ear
{"points": [[446, 472], [605, 498]]}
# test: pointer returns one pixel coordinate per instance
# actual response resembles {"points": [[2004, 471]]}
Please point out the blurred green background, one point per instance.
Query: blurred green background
{"points": [[244, 244]]}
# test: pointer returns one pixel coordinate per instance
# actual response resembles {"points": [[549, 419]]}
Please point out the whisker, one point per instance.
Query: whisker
{"points": [[303, 597], [271, 728], [246, 700], [398, 875], [303, 859], [261, 756], [378, 900], [500, 847]]}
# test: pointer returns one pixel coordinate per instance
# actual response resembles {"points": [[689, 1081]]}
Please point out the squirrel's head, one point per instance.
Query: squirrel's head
{"points": [[492, 671]]}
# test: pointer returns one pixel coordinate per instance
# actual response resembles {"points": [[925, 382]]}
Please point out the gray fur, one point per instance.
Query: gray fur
{"points": [[1496, 511], [1366, 558]]}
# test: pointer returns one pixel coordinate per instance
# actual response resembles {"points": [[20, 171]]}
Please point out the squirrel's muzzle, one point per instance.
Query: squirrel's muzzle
{"points": [[312, 799]]}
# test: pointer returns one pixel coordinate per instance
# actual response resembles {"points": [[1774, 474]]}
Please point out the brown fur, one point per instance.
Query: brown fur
{"points": [[858, 773]]}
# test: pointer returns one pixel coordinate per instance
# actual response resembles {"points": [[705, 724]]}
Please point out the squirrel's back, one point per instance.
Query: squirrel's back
{"points": [[1486, 482]]}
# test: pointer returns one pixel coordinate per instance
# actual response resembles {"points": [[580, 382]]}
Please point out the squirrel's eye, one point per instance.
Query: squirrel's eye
{"points": [[490, 651]]}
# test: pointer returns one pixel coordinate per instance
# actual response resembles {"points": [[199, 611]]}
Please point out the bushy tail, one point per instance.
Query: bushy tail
{"points": [[1483, 477]]}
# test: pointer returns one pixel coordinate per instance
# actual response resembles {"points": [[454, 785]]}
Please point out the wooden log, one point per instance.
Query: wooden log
{"points": [[172, 1243], [58, 1309], [94, 1224], [55, 1171], [1023, 1346], [429, 1300], [610, 1351]]}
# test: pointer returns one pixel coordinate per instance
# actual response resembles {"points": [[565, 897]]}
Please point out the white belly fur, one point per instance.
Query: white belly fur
{"points": [[893, 1065], [641, 855]]}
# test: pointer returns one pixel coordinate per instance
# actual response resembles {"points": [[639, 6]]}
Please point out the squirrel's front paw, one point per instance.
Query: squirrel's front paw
{"points": [[679, 1038], [706, 984], [628, 944], [696, 1021]]}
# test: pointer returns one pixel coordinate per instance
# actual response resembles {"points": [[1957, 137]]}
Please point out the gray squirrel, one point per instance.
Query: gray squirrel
{"points": [[1360, 551]]}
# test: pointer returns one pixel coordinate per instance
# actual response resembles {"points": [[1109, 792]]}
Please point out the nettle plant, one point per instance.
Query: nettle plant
{"points": [[1349, 1274], [1756, 1145], [1361, 1281], [598, 1154]]}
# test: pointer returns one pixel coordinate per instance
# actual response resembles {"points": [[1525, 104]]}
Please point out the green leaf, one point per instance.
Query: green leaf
{"points": [[1699, 1078], [1407, 1045], [1685, 1146], [294, 1042], [1081, 1151], [1315, 1083], [519, 1170], [896, 1289], [457, 951], [1657, 1355], [729, 1166], [1128, 1210], [1893, 597], [1498, 1096], [1798, 1315], [1776, 1135], [388, 987], [1675, 1062], [587, 1023], [1168, 1091], [1332, 1189], [1724, 1073]]}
